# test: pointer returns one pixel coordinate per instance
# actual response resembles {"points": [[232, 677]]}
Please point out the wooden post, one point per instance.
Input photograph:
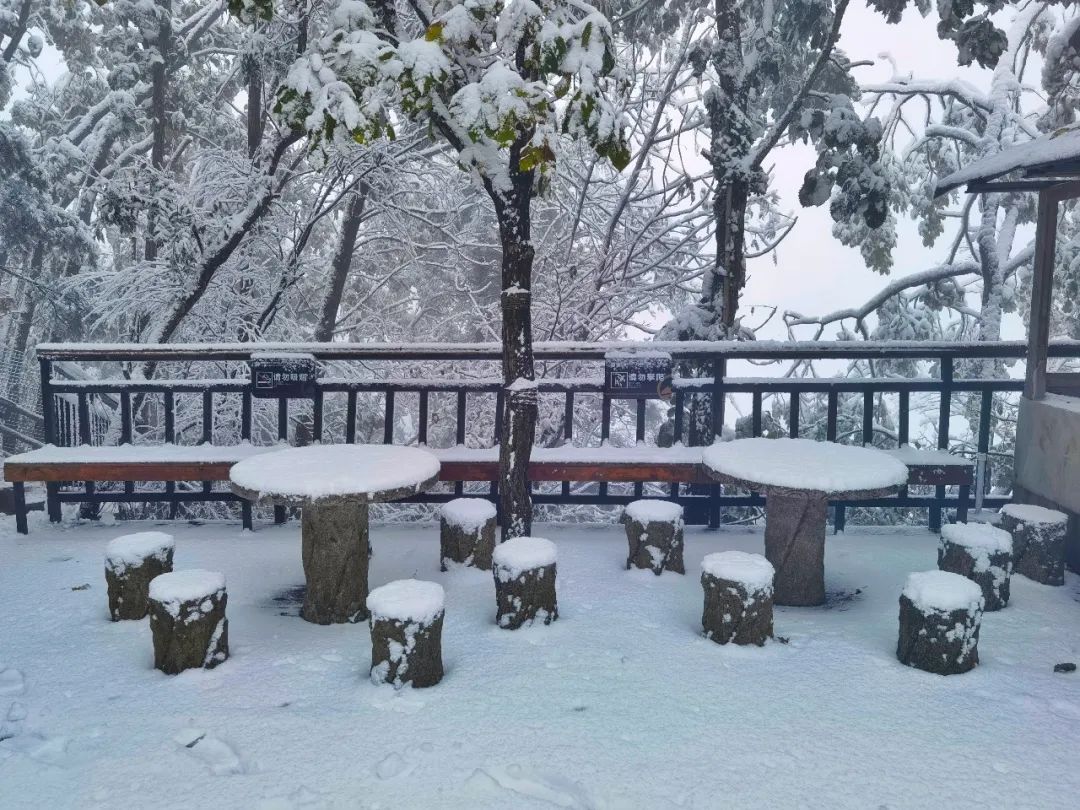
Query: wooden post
{"points": [[1041, 292]]}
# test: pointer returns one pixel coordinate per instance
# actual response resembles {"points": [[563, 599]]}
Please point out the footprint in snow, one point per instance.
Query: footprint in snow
{"points": [[11, 681], [393, 764], [216, 754], [11, 723], [555, 790]]}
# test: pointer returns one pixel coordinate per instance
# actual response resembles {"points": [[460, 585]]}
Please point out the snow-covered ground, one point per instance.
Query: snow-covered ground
{"points": [[618, 704]]}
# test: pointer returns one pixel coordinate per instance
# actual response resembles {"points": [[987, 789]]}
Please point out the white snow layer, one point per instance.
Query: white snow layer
{"points": [[917, 455], [335, 470], [752, 570], [407, 600], [133, 549], [186, 586], [89, 722], [147, 453], [653, 509], [468, 514], [1061, 144], [980, 536], [806, 464], [1029, 513], [942, 592], [521, 554]]}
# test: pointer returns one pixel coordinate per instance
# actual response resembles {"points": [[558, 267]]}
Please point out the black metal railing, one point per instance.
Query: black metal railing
{"points": [[445, 394]]}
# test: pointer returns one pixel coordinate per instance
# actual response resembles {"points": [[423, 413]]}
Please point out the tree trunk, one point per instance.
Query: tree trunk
{"points": [[342, 264], [159, 87], [254, 106], [513, 209]]}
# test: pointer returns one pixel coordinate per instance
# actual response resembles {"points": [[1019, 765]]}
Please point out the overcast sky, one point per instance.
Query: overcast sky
{"points": [[813, 273]]}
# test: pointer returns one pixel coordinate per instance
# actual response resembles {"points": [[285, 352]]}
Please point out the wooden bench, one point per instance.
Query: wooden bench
{"points": [[208, 464]]}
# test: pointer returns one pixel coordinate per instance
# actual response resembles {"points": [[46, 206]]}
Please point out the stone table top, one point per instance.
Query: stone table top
{"points": [[832, 470], [335, 473]]}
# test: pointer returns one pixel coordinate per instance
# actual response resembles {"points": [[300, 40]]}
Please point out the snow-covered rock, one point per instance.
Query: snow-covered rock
{"points": [[1029, 513], [133, 549], [648, 510], [521, 554], [468, 514], [407, 600], [752, 570], [977, 536], [942, 592], [179, 587]]}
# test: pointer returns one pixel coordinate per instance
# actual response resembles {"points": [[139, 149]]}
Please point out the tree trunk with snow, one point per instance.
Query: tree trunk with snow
{"points": [[406, 651], [341, 264], [735, 613], [1038, 545], [655, 541], [942, 642], [513, 209], [189, 633]]}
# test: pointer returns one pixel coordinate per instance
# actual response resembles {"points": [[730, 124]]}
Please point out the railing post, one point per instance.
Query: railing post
{"points": [[719, 370], [48, 417], [944, 416]]}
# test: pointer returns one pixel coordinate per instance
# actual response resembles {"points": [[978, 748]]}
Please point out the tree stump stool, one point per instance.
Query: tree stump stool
{"points": [[524, 569], [983, 554], [406, 633], [1038, 536], [467, 532], [738, 598], [654, 531], [940, 614], [131, 562], [187, 619]]}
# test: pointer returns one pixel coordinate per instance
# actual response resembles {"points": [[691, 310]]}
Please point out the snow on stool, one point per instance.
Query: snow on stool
{"points": [[940, 614], [524, 570], [187, 619], [983, 554], [131, 562], [406, 633], [654, 531], [467, 532], [738, 597], [1038, 536]]}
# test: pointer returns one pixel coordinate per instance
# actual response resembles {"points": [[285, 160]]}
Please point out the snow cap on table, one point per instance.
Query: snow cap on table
{"points": [[1029, 513], [186, 586], [752, 570], [407, 600], [654, 510], [521, 554], [131, 549], [468, 514], [804, 464], [943, 592], [981, 536], [325, 471]]}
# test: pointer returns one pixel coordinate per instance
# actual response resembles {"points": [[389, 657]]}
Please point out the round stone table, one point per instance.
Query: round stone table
{"points": [[798, 478], [333, 485]]}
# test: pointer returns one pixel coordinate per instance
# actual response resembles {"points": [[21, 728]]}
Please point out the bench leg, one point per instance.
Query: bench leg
{"points": [[245, 514], [839, 518], [19, 491], [52, 502], [714, 507], [279, 515], [935, 511], [962, 505]]}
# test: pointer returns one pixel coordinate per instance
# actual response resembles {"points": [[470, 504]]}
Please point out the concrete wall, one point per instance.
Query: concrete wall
{"points": [[1048, 460]]}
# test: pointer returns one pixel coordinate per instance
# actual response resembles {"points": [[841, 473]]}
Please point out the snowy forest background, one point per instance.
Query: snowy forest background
{"points": [[162, 178]]}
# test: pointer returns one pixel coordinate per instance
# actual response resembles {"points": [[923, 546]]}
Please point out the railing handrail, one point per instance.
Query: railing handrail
{"points": [[557, 350]]}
